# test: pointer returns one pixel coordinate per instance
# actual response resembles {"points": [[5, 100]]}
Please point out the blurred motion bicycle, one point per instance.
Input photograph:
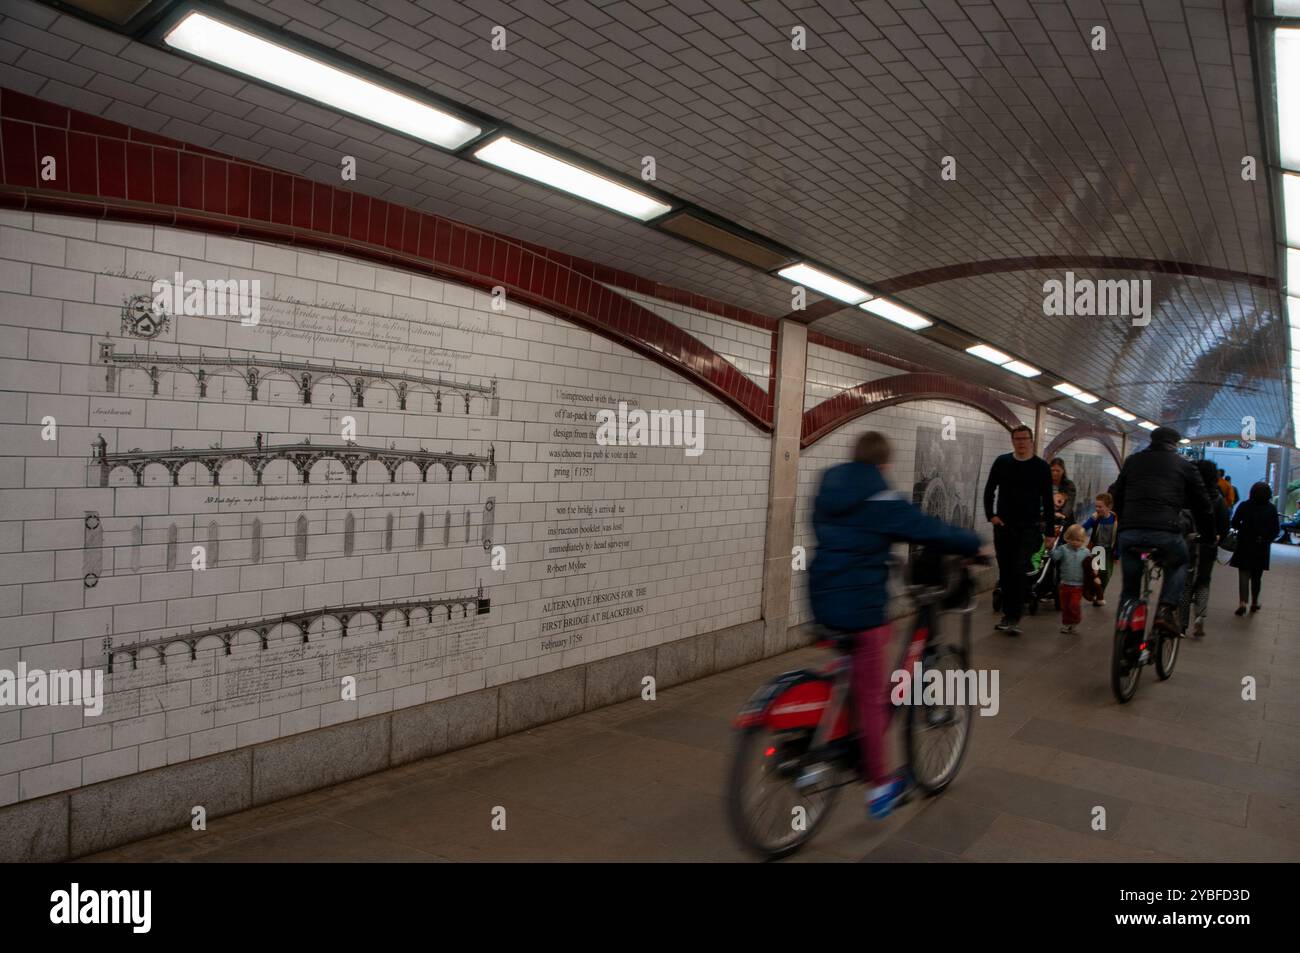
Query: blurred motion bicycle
{"points": [[799, 726]]}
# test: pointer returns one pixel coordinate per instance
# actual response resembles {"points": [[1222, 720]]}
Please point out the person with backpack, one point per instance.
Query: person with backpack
{"points": [[1257, 525]]}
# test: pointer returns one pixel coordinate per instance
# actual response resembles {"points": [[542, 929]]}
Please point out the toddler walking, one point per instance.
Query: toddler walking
{"points": [[1075, 562]]}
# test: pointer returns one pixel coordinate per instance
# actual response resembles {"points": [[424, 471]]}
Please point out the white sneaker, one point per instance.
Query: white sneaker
{"points": [[1101, 602], [1198, 627], [1067, 629]]}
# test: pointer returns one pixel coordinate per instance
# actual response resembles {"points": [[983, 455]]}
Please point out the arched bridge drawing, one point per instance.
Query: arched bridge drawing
{"points": [[303, 456], [404, 611], [304, 374]]}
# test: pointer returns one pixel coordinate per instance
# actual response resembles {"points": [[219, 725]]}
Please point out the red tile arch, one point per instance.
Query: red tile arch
{"points": [[1084, 431], [107, 170], [835, 412]]}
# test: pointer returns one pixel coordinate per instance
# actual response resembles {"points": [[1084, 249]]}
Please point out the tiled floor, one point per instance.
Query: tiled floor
{"points": [[1186, 771]]}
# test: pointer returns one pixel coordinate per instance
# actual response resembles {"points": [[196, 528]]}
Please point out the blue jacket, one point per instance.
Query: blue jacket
{"points": [[857, 517]]}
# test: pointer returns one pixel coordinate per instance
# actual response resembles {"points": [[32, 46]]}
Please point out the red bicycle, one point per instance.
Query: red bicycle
{"points": [[795, 745]]}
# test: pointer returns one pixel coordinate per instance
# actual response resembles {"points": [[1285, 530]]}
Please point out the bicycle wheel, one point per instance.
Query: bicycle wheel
{"points": [[769, 814], [1125, 671], [1166, 653], [939, 734]]}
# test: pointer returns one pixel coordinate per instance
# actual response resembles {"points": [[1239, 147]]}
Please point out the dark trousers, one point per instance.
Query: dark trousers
{"points": [[1014, 546], [1133, 542], [1248, 583]]}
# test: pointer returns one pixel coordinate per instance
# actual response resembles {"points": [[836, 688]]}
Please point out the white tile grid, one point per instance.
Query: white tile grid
{"points": [[830, 371], [899, 424], [695, 524], [747, 347]]}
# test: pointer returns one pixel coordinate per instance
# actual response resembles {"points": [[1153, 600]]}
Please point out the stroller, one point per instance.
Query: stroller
{"points": [[1042, 578]]}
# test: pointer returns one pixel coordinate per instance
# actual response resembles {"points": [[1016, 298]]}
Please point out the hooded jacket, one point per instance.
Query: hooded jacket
{"points": [[1155, 485], [857, 517]]}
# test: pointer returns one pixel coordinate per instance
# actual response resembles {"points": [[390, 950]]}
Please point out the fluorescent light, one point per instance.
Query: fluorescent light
{"points": [[818, 280], [1286, 8], [1086, 398], [1291, 207], [506, 153], [1292, 282], [1021, 368], [896, 313], [1147, 425], [218, 42], [1286, 68], [1121, 414], [990, 354], [1068, 389], [1293, 311], [1185, 440]]}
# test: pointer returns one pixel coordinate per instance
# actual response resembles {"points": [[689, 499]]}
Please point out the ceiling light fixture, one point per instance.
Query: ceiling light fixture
{"points": [[1147, 425], [1122, 414], [513, 156], [1286, 69], [990, 354], [896, 313], [238, 50], [819, 281], [1021, 368]]}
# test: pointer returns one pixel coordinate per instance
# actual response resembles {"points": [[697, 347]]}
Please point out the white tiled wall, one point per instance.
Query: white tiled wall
{"points": [[671, 545], [831, 371], [747, 347]]}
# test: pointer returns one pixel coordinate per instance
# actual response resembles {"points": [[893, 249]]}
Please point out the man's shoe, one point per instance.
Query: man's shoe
{"points": [[1254, 608], [1101, 602], [1165, 619], [1241, 609], [1198, 627], [1013, 628], [1005, 624]]}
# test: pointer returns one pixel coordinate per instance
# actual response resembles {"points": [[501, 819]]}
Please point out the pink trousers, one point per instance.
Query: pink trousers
{"points": [[871, 697]]}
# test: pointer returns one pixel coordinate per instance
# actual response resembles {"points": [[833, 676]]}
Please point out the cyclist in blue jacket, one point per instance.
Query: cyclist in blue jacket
{"points": [[857, 518]]}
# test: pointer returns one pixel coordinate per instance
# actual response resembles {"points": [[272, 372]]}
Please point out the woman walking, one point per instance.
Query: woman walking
{"points": [[1063, 484], [1257, 526], [1197, 595]]}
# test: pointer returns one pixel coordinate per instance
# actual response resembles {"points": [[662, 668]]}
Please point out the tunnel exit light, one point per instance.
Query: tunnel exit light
{"points": [[218, 42]]}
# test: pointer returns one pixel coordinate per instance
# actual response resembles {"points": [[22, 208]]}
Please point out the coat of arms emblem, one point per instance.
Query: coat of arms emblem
{"points": [[140, 319]]}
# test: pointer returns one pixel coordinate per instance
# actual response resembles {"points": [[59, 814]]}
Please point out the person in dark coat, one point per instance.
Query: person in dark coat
{"points": [[1207, 549], [857, 518], [1063, 484], [1257, 525]]}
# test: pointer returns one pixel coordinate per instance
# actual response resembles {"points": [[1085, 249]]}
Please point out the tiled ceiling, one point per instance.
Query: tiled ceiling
{"points": [[836, 151]]}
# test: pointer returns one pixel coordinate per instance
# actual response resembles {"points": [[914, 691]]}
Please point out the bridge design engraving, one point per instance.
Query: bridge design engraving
{"points": [[305, 374], [406, 611], [302, 455]]}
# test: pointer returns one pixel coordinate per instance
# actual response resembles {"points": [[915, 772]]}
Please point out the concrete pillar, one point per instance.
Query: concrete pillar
{"points": [[1040, 429], [783, 482], [1123, 447]]}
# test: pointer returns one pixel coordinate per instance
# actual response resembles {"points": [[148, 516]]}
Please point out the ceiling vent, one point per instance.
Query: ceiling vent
{"points": [[693, 227]]}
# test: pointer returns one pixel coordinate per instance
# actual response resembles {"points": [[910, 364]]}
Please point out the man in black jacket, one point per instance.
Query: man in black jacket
{"points": [[1154, 486], [1023, 483]]}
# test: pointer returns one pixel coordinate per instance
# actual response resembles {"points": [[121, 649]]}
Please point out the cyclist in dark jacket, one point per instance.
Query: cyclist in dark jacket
{"points": [[1257, 525], [857, 517], [1154, 486]]}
